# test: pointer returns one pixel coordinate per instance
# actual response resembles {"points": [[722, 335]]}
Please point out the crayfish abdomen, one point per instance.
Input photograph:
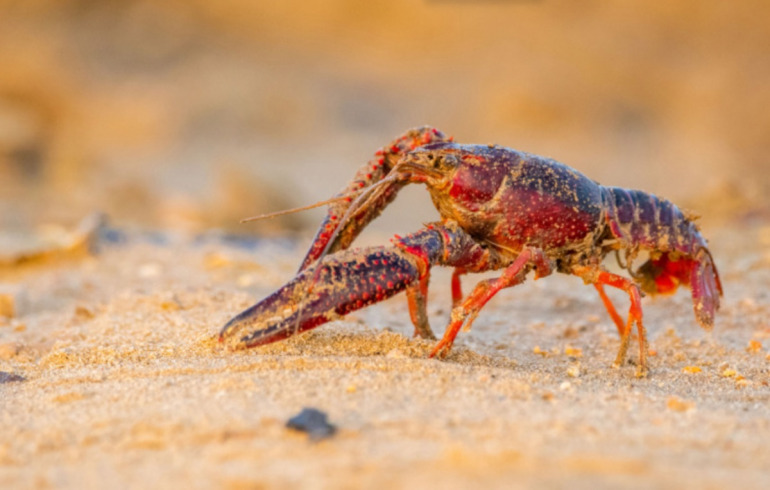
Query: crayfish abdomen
{"points": [[679, 254]]}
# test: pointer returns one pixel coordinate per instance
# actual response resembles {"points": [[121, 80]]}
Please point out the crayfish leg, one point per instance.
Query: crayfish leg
{"points": [[417, 296], [600, 277], [468, 310], [457, 287], [611, 309]]}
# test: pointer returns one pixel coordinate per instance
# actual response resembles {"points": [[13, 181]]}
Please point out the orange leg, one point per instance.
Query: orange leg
{"points": [[611, 309], [469, 309], [457, 289], [600, 277]]}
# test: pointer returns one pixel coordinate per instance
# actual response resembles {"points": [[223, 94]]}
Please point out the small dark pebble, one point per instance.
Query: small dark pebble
{"points": [[10, 377], [313, 422]]}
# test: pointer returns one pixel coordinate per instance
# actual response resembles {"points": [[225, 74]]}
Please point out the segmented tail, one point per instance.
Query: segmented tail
{"points": [[678, 252]]}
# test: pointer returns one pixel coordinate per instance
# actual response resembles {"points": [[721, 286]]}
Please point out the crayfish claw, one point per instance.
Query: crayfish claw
{"points": [[274, 318], [341, 283]]}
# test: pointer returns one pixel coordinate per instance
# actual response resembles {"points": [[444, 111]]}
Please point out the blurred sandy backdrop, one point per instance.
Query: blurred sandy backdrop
{"points": [[191, 114]]}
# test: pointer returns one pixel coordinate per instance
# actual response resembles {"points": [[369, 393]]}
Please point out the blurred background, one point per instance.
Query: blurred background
{"points": [[192, 114]]}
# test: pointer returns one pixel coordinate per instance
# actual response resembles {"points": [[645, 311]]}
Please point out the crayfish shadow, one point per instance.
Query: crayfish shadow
{"points": [[344, 340]]}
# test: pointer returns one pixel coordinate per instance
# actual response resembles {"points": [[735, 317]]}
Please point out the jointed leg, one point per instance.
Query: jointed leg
{"points": [[600, 277], [610, 309], [469, 309], [440, 244], [457, 290], [417, 296]]}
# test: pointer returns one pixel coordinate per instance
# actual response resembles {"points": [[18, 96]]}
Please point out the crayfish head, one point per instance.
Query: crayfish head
{"points": [[433, 164]]}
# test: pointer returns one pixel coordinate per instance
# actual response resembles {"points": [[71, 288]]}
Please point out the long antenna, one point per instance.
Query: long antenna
{"points": [[297, 210]]}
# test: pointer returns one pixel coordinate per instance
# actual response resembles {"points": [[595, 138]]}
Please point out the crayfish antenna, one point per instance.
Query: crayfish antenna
{"points": [[299, 209]]}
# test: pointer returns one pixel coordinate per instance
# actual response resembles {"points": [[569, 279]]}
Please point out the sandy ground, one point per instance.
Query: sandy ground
{"points": [[125, 383]]}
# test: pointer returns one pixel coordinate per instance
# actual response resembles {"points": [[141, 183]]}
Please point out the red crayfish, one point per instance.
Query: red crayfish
{"points": [[501, 209]]}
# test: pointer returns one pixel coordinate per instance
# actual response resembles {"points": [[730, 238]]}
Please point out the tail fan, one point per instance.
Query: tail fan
{"points": [[706, 289]]}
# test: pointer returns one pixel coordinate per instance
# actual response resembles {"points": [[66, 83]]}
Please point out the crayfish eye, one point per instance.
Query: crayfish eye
{"points": [[432, 160], [447, 162]]}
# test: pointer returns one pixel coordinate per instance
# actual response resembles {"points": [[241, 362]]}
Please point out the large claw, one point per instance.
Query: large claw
{"points": [[341, 283], [372, 172], [354, 278]]}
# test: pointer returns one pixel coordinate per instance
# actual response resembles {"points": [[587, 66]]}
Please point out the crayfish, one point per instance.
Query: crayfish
{"points": [[500, 209]]}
